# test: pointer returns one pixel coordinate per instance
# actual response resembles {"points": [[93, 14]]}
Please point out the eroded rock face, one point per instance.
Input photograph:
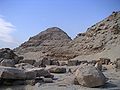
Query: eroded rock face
{"points": [[7, 63], [7, 55], [89, 76], [11, 73], [99, 37]]}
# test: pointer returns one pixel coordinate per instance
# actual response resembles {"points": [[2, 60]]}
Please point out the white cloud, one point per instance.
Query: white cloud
{"points": [[6, 28]]}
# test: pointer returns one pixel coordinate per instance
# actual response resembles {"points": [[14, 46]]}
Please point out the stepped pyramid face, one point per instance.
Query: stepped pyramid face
{"points": [[55, 43], [48, 42], [47, 37]]}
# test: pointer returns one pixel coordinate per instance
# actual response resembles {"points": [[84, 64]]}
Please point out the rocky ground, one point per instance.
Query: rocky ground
{"points": [[17, 73], [64, 83]]}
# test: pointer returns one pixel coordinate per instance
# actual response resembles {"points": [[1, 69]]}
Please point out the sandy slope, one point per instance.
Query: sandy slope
{"points": [[112, 53]]}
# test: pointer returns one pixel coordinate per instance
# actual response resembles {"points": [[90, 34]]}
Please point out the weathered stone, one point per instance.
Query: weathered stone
{"points": [[30, 82], [69, 80], [98, 65], [117, 64], [17, 59], [30, 74], [55, 62], [84, 62], [41, 72], [105, 60], [38, 63], [11, 82], [11, 73], [92, 62], [73, 69], [24, 66], [42, 62], [29, 61], [7, 63], [104, 68], [37, 84], [46, 61], [47, 80], [63, 63], [17, 82], [72, 62], [57, 69], [89, 76], [6, 53]]}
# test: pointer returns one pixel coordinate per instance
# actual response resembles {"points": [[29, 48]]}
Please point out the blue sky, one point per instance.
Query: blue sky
{"points": [[21, 19]]}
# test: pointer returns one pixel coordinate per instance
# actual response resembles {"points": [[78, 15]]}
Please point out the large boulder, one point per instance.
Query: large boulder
{"points": [[7, 63], [41, 72], [67, 80], [30, 74], [57, 69], [89, 76], [11, 73]]}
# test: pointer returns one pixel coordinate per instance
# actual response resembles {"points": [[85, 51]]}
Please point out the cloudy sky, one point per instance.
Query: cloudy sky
{"points": [[20, 19]]}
